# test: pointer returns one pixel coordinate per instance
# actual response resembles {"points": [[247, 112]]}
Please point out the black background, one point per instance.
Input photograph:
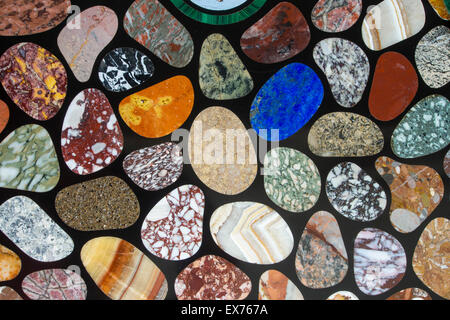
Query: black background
{"points": [[260, 73]]}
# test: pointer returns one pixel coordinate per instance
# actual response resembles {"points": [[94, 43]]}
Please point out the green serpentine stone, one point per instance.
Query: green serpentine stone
{"points": [[28, 160]]}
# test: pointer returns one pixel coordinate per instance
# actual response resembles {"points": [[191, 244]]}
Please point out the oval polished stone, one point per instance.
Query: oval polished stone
{"points": [[81, 44], [410, 294], [4, 115], [28, 160], [222, 75], [441, 9], [392, 21], [34, 79], [229, 170], [346, 67], [160, 109], [7, 293], [354, 194], [432, 57], [212, 278], [251, 232], [54, 284], [447, 163], [156, 167], [343, 295], [122, 271], [274, 285], [281, 34], [91, 138], [415, 192], [424, 130], [379, 261], [149, 23], [173, 229], [286, 102], [123, 69], [291, 179], [321, 260], [394, 86], [101, 204], [10, 264], [345, 134], [33, 231], [25, 17], [336, 16], [431, 256]]}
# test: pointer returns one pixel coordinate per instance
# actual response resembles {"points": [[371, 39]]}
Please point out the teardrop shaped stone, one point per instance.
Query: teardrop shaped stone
{"points": [[431, 256], [212, 278], [222, 75], [91, 138], [84, 37], [345, 134], [394, 86], [343, 295], [440, 7], [10, 264], [4, 115], [104, 203], [410, 294], [321, 259], [336, 16], [149, 23], [122, 271], [291, 179], [33, 231], [28, 160], [281, 34], [7, 293], [379, 261], [346, 67], [447, 163], [274, 285], [34, 79], [286, 102], [424, 130], [415, 192]]}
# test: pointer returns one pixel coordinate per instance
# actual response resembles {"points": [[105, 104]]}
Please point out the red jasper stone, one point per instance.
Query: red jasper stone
{"points": [[4, 115]]}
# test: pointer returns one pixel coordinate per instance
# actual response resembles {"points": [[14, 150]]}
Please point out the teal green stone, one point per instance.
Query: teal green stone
{"points": [[447, 5], [424, 130]]}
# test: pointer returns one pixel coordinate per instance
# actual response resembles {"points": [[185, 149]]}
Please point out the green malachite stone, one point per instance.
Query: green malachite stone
{"points": [[447, 5], [28, 160]]}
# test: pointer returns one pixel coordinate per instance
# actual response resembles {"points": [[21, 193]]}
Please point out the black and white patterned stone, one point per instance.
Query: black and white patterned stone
{"points": [[123, 69], [354, 194]]}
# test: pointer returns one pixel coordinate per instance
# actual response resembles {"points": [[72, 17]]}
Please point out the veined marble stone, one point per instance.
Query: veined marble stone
{"points": [[10, 264], [54, 284], [122, 271], [34, 79], [424, 130], [345, 134], [379, 261], [221, 151], [173, 229], [33, 231], [281, 34], [432, 57], [222, 75], [212, 278], [431, 257], [91, 138], [291, 179], [4, 115], [81, 45], [149, 23], [336, 16], [26, 17], [28, 160], [7, 293], [392, 21], [101, 204], [346, 67], [286, 102], [274, 285], [123, 69], [321, 260], [440, 8], [410, 294], [447, 163], [251, 232], [415, 192], [156, 167], [343, 295], [160, 109]]}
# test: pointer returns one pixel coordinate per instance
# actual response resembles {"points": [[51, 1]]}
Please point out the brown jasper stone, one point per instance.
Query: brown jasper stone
{"points": [[410, 294], [4, 115], [394, 86], [7, 293]]}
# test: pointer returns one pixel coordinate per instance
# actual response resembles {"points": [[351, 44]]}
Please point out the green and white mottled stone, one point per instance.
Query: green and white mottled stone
{"points": [[222, 74], [291, 179], [28, 160], [424, 130]]}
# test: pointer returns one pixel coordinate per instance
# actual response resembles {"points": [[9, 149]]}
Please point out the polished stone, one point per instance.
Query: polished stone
{"points": [[440, 8], [4, 115], [336, 16], [343, 295], [10, 264], [7, 293], [410, 294], [274, 285], [447, 163]]}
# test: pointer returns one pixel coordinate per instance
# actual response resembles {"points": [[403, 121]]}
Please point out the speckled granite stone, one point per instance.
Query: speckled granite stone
{"points": [[101, 204], [10, 264], [343, 295], [440, 8], [447, 163], [7, 293], [410, 294], [4, 115], [274, 285], [336, 16]]}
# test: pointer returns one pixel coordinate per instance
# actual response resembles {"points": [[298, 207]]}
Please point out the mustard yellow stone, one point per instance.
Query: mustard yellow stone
{"points": [[10, 264]]}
